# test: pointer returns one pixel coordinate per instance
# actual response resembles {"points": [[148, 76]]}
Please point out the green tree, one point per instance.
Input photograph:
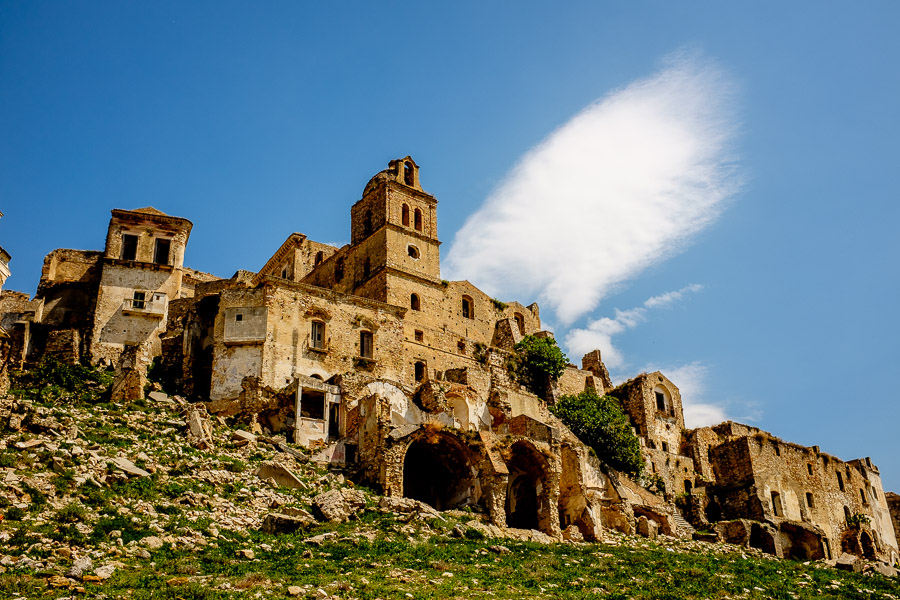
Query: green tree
{"points": [[539, 362], [600, 422]]}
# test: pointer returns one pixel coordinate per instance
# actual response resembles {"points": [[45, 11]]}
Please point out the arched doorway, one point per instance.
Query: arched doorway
{"points": [[526, 490], [868, 546], [436, 471]]}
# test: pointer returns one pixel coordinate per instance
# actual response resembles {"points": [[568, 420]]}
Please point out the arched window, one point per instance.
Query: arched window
{"points": [[662, 399], [520, 322], [320, 256], [468, 308], [367, 268], [407, 173], [366, 347], [367, 223], [412, 251], [420, 371], [404, 215], [414, 302], [339, 269], [418, 219]]}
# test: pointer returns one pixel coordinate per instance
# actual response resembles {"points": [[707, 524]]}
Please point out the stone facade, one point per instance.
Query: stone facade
{"points": [[364, 354]]}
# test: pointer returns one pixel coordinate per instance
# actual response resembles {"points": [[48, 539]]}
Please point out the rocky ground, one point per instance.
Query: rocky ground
{"points": [[156, 499]]}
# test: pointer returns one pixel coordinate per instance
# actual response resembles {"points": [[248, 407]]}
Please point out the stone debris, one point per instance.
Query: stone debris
{"points": [[848, 562], [200, 431], [339, 505], [281, 475], [79, 567], [242, 438], [129, 467]]}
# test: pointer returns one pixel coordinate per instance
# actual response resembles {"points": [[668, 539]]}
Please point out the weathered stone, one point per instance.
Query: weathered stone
{"points": [[848, 562], [242, 438], [884, 568], [129, 467], [282, 523], [152, 542], [338, 505], [280, 474], [647, 528], [79, 567], [105, 572]]}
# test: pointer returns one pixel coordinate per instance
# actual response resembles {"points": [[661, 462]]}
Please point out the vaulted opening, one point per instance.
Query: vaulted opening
{"points": [[526, 490], [437, 472], [414, 302], [417, 215], [404, 215]]}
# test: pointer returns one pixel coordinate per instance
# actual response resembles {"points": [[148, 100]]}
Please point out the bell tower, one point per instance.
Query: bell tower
{"points": [[394, 227]]}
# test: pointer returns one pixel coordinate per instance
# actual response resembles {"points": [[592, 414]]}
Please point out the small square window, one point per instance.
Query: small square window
{"points": [[239, 317], [419, 336], [461, 346]]}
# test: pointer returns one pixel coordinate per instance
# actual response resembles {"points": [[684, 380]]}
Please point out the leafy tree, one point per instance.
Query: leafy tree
{"points": [[539, 361], [601, 423]]}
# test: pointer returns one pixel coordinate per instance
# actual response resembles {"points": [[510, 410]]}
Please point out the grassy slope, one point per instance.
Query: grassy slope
{"points": [[375, 556]]}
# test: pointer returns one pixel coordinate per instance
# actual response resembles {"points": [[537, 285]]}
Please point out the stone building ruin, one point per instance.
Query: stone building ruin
{"points": [[366, 356]]}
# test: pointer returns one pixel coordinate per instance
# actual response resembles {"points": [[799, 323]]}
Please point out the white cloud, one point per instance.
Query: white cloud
{"points": [[691, 382], [599, 332], [621, 186]]}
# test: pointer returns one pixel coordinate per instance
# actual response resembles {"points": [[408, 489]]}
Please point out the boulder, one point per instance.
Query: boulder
{"points": [[848, 562], [79, 567], [647, 528], [129, 467], [281, 475], [282, 523], [339, 505]]}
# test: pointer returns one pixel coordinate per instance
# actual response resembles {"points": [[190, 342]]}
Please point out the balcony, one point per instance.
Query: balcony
{"points": [[154, 307]]}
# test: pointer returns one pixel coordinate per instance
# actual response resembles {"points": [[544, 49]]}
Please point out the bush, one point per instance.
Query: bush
{"points": [[539, 361], [601, 423]]}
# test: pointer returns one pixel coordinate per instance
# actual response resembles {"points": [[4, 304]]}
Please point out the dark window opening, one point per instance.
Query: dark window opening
{"points": [[468, 309], [688, 486], [412, 251], [407, 173], [367, 223], [129, 247], [320, 256], [365, 344], [809, 500], [665, 447], [776, 504], [419, 336], [660, 401], [840, 481], [312, 404], [317, 335], [239, 317], [809, 468], [862, 494], [139, 300], [461, 346], [417, 215], [520, 322], [404, 215], [161, 255], [334, 422], [339, 269], [420, 371], [777, 450], [414, 302]]}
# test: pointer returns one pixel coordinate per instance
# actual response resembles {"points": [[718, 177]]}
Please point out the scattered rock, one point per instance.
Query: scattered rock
{"points": [[200, 432], [848, 562], [152, 542], [129, 467], [647, 528], [339, 505], [281, 475], [246, 553], [294, 590], [242, 438], [105, 572], [283, 523], [80, 566], [885, 569]]}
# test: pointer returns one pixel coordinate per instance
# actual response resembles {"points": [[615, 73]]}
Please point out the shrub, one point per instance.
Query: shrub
{"points": [[539, 362], [70, 513], [601, 423]]}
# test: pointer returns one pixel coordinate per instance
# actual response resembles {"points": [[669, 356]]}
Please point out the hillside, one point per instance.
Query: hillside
{"points": [[155, 499]]}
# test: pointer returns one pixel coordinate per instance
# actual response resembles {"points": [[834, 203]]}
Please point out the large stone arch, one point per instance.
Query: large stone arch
{"points": [[530, 495], [439, 470]]}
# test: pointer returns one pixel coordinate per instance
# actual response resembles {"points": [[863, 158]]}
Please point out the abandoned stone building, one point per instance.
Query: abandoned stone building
{"points": [[364, 354]]}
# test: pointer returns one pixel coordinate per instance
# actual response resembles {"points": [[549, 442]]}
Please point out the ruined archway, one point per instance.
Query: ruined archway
{"points": [[868, 546], [437, 471], [527, 492]]}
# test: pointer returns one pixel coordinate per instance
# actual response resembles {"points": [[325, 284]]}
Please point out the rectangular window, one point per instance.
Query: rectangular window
{"points": [[776, 504], [129, 247], [139, 300], [365, 344], [862, 494], [161, 254], [840, 481], [461, 346], [312, 404], [665, 447], [809, 468], [809, 500], [419, 336], [660, 402], [317, 335]]}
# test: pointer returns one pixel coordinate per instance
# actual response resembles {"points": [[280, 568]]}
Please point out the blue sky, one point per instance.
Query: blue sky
{"points": [[771, 297]]}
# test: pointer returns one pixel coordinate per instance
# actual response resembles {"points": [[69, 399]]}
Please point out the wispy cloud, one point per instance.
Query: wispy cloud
{"points": [[599, 333], [691, 382], [621, 186]]}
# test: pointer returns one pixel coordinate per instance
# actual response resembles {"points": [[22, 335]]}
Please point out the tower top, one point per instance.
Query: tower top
{"points": [[402, 170]]}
